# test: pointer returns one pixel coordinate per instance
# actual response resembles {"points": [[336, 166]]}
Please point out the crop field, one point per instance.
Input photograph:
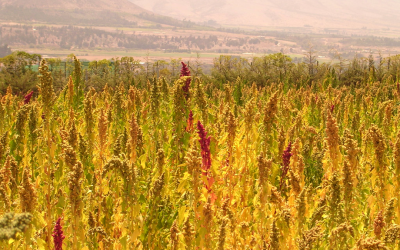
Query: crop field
{"points": [[187, 164]]}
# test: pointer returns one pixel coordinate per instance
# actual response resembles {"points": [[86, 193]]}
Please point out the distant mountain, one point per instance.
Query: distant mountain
{"points": [[288, 13], [80, 12], [124, 6]]}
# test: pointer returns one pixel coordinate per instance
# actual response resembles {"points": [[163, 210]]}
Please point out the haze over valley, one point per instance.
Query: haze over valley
{"points": [[188, 29], [276, 13]]}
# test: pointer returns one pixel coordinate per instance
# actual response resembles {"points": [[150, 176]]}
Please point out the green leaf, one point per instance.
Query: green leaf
{"points": [[181, 215], [142, 199], [184, 182], [124, 241], [41, 244]]}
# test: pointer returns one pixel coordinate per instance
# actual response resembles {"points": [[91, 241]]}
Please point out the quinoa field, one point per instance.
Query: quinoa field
{"points": [[193, 164]]}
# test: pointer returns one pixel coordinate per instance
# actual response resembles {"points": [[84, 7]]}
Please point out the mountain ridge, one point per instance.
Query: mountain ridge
{"points": [[289, 13], [106, 13], [96, 5]]}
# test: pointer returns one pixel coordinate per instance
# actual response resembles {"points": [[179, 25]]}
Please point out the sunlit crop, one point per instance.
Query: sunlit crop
{"points": [[189, 165]]}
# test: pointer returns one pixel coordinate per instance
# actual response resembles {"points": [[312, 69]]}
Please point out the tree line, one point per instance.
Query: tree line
{"points": [[67, 37], [19, 70]]}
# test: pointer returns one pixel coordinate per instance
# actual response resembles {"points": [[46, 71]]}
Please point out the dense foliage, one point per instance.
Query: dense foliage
{"points": [[20, 71], [205, 162], [4, 50], [67, 37]]}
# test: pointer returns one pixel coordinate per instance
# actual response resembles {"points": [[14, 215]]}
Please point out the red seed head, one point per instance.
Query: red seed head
{"points": [[205, 147], [286, 162], [205, 155], [186, 72], [58, 235], [286, 155], [189, 126], [28, 97]]}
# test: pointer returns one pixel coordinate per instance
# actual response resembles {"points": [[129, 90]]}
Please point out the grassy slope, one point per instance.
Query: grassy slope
{"points": [[76, 12], [92, 5]]}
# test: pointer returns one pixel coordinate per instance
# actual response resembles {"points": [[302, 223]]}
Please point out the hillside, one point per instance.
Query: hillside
{"points": [[91, 5], [80, 12], [290, 13]]}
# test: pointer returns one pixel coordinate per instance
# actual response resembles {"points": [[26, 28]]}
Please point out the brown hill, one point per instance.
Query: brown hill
{"points": [[123, 6], [81, 12], [288, 13]]}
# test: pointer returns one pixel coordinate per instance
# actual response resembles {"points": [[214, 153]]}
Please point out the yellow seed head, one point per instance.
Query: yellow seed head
{"points": [[294, 182], [370, 244], [208, 214], [231, 129], [221, 234], [389, 212], [309, 237], [174, 236], [73, 135], [102, 128], [133, 137], [301, 206], [270, 112], [379, 224], [274, 237], [249, 113], [27, 193], [155, 191], [264, 167], [69, 155], [332, 138], [74, 183], [392, 234], [46, 86], [347, 181], [70, 91], [188, 232]]}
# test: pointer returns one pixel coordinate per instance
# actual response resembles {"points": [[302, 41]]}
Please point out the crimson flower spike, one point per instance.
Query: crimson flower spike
{"points": [[205, 148], [58, 235], [28, 97], [189, 126], [186, 72], [206, 156], [286, 162]]}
